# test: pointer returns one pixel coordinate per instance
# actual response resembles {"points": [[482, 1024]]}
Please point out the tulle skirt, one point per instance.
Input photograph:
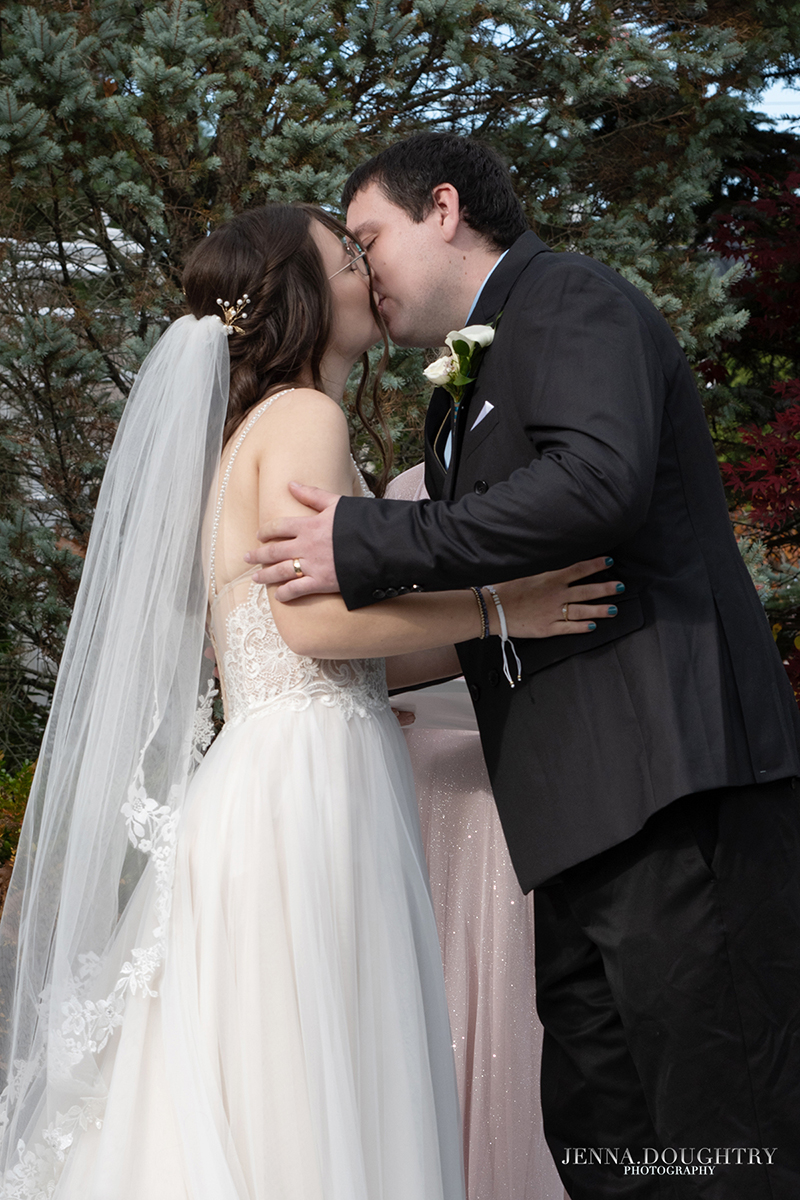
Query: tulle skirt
{"points": [[299, 1046]]}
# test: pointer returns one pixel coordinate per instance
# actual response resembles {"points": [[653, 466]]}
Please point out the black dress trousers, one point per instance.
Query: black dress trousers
{"points": [[668, 983]]}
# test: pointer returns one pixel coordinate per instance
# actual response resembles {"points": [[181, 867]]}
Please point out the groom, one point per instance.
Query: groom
{"points": [[645, 774]]}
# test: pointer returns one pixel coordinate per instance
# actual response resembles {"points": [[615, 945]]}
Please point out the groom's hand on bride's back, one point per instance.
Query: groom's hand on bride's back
{"points": [[555, 603], [297, 552]]}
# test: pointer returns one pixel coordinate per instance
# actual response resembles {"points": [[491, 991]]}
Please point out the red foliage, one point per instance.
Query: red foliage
{"points": [[769, 479], [713, 372], [792, 664], [765, 233]]}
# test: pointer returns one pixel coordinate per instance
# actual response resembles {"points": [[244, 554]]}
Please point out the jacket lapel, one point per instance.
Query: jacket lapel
{"points": [[488, 310], [458, 437], [440, 480], [501, 281], [437, 424]]}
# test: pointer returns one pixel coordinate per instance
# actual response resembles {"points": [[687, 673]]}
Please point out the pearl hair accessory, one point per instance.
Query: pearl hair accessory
{"points": [[233, 312]]}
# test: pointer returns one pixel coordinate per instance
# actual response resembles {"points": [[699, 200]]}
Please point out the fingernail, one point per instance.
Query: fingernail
{"points": [[609, 562], [612, 610], [620, 587], [247, 557], [592, 626]]}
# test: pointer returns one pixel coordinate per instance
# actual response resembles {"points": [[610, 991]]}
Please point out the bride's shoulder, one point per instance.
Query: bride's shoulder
{"points": [[290, 397], [301, 413], [306, 437], [305, 404]]}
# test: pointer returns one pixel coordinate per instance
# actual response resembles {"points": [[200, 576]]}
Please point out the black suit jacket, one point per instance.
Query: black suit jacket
{"points": [[596, 444]]}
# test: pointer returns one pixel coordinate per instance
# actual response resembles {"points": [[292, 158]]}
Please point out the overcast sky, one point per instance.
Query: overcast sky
{"points": [[781, 101]]}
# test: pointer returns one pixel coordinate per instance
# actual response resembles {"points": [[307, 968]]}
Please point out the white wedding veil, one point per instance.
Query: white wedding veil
{"points": [[119, 750]]}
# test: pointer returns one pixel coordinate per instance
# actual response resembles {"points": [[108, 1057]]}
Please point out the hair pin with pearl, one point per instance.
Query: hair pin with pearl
{"points": [[231, 313]]}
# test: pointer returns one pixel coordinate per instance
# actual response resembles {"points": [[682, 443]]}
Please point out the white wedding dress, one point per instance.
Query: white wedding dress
{"points": [[298, 1044]]}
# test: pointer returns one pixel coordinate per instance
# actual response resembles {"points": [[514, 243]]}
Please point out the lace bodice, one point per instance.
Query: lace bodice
{"points": [[257, 669]]}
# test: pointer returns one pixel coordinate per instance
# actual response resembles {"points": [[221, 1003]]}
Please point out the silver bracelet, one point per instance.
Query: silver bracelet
{"points": [[505, 640]]}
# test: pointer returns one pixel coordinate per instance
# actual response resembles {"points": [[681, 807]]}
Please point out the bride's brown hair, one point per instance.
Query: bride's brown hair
{"points": [[270, 254]]}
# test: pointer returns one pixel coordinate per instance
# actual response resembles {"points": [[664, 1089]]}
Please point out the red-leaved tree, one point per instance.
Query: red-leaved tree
{"points": [[759, 377], [764, 234], [766, 485]]}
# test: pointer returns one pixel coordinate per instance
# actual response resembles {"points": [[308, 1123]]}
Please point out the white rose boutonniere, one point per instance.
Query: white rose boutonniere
{"points": [[456, 370]]}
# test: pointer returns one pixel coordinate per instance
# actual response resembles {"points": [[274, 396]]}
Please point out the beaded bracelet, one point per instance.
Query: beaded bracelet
{"points": [[483, 611]]}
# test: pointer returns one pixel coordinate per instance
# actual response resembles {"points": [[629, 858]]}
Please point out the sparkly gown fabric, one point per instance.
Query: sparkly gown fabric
{"points": [[298, 1047], [486, 933]]}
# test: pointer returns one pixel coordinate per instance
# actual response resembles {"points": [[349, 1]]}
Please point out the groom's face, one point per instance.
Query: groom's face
{"points": [[411, 265]]}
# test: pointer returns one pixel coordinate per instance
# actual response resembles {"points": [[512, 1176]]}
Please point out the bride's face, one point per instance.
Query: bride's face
{"points": [[354, 328]]}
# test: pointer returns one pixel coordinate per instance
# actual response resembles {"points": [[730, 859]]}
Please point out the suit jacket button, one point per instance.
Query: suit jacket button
{"points": [[379, 594], [481, 487], [494, 678], [391, 593], [403, 591], [475, 692]]}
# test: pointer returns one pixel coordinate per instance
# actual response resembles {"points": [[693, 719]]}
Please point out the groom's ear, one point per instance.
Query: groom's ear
{"points": [[447, 210]]}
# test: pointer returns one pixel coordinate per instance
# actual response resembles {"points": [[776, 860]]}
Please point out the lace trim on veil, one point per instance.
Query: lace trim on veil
{"points": [[89, 1023]]}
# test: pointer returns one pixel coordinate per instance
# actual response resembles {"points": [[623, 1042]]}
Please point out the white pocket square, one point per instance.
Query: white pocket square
{"points": [[487, 408]]}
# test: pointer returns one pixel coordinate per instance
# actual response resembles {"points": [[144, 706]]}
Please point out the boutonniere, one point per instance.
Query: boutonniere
{"points": [[456, 370]]}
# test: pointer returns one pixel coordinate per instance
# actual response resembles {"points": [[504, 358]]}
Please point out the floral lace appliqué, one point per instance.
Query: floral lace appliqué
{"points": [[260, 671], [36, 1173]]}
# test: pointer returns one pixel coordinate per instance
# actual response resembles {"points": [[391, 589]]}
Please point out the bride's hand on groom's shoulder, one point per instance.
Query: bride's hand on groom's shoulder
{"points": [[555, 602]]}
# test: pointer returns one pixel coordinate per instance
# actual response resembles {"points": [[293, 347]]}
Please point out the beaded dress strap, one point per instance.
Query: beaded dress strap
{"points": [[259, 412]]}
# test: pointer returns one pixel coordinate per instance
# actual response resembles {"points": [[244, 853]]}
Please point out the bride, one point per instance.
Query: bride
{"points": [[220, 974]]}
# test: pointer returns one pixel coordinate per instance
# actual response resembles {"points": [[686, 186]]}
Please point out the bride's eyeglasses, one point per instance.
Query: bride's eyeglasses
{"points": [[357, 259]]}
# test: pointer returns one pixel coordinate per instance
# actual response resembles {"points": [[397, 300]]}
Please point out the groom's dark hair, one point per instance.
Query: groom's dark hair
{"points": [[408, 171]]}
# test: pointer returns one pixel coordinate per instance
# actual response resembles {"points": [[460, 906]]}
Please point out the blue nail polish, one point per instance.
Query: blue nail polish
{"points": [[592, 626], [612, 610], [609, 562], [620, 587]]}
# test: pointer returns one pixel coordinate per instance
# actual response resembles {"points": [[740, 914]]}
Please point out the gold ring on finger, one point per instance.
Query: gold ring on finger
{"points": [[298, 570], [565, 611]]}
